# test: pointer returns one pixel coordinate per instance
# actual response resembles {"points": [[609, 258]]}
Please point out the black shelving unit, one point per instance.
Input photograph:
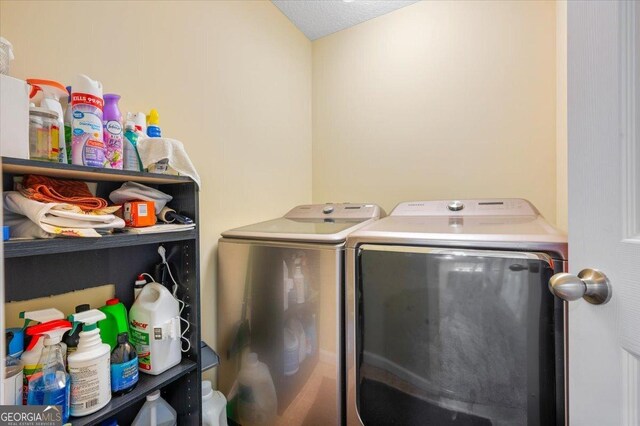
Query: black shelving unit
{"points": [[71, 264]]}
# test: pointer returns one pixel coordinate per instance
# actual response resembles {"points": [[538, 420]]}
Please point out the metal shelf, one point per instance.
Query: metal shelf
{"points": [[70, 171], [146, 385], [22, 248]]}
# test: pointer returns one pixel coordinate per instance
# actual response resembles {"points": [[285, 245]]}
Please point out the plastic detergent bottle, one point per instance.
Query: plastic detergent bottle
{"points": [[13, 376], [53, 92], [291, 352], [138, 285], [68, 126], [87, 147], [257, 400], [140, 119], [214, 406], [89, 366], [154, 323], [131, 156], [156, 412], [113, 133], [31, 356], [72, 337], [311, 334], [49, 385], [298, 279], [295, 325], [153, 124], [116, 322], [124, 366]]}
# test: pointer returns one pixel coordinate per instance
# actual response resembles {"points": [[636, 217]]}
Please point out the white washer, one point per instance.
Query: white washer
{"points": [[449, 317], [280, 289]]}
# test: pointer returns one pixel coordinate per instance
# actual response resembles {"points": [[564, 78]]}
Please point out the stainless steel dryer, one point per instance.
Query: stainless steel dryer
{"points": [[280, 295], [450, 320]]}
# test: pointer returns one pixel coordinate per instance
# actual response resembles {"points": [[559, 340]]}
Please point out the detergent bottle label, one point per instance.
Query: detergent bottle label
{"points": [[140, 339], [29, 370], [124, 375], [87, 147]]}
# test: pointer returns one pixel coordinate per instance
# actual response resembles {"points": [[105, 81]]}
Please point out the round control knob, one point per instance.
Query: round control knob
{"points": [[455, 206], [327, 209]]}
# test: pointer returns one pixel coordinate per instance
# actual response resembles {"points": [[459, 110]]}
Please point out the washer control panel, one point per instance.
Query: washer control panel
{"points": [[487, 207], [352, 211]]}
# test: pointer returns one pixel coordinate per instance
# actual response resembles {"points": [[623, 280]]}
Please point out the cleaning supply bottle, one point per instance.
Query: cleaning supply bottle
{"points": [[156, 412], [31, 356], [153, 124], [214, 406], [53, 92], [257, 399], [291, 354], [124, 366], [13, 376], [72, 337], [68, 125], [50, 384], [138, 285], [89, 366], [154, 322], [131, 156], [116, 322], [87, 148], [140, 119], [298, 279], [113, 133], [295, 325]]}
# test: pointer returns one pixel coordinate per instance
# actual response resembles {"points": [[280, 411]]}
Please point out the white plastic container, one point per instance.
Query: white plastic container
{"points": [[257, 399], [156, 412], [87, 147], [14, 110], [298, 279], [89, 366], [154, 321], [214, 406]]}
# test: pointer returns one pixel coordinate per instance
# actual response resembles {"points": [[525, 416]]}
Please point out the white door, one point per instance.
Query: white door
{"points": [[604, 209]]}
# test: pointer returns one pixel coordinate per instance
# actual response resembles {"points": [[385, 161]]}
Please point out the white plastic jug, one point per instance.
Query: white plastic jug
{"points": [[156, 412], [154, 321], [257, 400], [214, 406]]}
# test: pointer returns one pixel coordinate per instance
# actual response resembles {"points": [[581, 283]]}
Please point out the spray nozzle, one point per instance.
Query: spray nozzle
{"points": [[89, 319], [42, 315], [51, 330], [50, 89]]}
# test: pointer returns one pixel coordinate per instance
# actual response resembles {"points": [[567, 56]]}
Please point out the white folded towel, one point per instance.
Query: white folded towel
{"points": [[57, 218], [131, 191], [154, 150]]}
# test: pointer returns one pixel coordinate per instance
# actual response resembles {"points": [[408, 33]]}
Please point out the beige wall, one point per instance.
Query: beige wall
{"points": [[438, 100], [562, 161], [231, 79]]}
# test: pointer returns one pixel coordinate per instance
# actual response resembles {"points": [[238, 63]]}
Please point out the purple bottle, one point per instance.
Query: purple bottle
{"points": [[113, 135]]}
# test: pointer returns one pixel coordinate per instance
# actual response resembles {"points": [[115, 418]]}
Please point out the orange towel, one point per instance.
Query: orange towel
{"points": [[50, 190]]}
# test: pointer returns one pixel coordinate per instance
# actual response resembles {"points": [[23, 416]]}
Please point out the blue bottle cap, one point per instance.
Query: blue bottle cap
{"points": [[16, 345]]}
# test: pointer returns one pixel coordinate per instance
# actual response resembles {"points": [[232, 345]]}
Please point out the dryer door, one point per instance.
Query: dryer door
{"points": [[456, 337]]}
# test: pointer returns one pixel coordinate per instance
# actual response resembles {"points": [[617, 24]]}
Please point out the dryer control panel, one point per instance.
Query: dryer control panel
{"points": [[486, 207], [350, 211]]}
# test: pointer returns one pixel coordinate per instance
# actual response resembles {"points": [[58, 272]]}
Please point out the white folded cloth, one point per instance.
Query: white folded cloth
{"points": [[56, 218], [131, 191], [153, 150]]}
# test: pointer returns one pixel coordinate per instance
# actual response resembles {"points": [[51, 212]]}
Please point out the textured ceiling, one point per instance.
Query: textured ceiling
{"points": [[318, 18]]}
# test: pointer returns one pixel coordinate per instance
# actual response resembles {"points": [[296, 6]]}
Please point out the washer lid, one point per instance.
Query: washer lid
{"points": [[323, 223], [525, 229]]}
